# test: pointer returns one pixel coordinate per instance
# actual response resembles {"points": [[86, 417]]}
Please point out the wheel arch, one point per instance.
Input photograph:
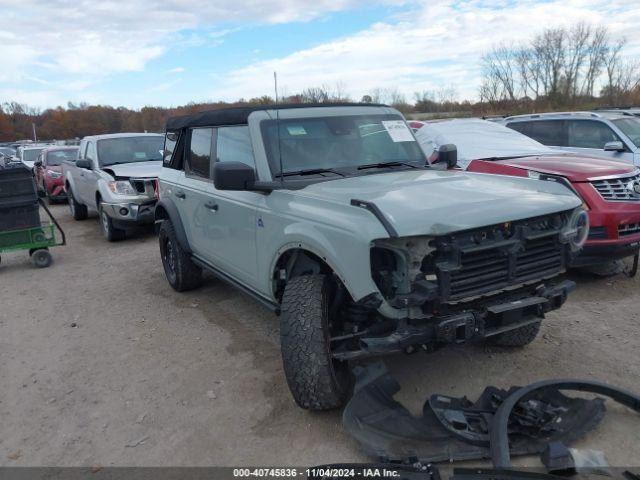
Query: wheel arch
{"points": [[300, 258], [166, 210]]}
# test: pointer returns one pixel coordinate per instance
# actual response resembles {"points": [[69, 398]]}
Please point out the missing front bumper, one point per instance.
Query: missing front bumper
{"points": [[470, 325]]}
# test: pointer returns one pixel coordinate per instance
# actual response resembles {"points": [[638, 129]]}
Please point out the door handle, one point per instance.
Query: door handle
{"points": [[180, 194], [211, 206]]}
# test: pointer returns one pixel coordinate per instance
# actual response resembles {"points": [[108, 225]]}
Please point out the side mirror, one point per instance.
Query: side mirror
{"points": [[233, 176], [448, 155], [614, 147], [84, 163]]}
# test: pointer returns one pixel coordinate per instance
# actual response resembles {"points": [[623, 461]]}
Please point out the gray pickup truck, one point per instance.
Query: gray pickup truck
{"points": [[330, 216], [116, 175]]}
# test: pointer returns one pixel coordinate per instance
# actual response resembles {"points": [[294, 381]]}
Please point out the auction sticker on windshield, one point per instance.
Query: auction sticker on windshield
{"points": [[398, 130]]}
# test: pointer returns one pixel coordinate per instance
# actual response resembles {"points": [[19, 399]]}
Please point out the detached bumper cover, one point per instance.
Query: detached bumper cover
{"points": [[389, 432], [128, 214]]}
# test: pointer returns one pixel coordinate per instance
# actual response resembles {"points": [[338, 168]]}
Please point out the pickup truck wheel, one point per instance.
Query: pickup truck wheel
{"points": [[111, 233], [517, 338], [316, 380], [182, 274], [78, 211]]}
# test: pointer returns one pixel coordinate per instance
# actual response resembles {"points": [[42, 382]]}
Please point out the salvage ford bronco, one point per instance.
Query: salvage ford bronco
{"points": [[331, 217]]}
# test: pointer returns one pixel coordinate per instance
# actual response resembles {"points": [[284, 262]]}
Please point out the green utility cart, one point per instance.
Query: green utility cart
{"points": [[20, 225]]}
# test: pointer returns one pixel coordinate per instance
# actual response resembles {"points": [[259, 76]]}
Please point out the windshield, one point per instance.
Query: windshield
{"points": [[7, 151], [130, 149], [340, 144], [31, 155], [56, 157], [631, 128], [479, 139]]}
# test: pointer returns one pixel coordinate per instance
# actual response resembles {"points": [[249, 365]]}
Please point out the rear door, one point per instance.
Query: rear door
{"points": [[85, 180]]}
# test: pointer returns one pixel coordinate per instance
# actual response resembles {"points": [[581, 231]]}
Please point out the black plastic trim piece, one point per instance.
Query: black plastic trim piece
{"points": [[373, 208], [271, 306], [499, 438], [174, 217]]}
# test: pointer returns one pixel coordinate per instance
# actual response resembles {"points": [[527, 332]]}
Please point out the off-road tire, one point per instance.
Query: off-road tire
{"points": [[317, 381], [182, 274], [517, 338], [111, 233], [78, 211]]}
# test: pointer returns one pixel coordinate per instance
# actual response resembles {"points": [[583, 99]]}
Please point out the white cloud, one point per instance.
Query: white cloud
{"points": [[176, 70], [97, 38], [438, 43]]}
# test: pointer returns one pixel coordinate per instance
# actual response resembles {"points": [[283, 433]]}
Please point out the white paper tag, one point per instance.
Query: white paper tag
{"points": [[398, 131]]}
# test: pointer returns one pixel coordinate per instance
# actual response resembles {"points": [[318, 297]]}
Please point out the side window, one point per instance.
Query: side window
{"points": [[547, 132], [590, 134], [200, 152], [234, 145]]}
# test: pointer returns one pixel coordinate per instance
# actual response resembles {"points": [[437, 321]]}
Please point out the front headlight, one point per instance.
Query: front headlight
{"points": [[54, 174], [122, 187], [576, 230]]}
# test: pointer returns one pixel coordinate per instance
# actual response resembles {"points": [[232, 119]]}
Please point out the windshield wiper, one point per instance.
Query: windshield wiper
{"points": [[310, 171], [386, 165]]}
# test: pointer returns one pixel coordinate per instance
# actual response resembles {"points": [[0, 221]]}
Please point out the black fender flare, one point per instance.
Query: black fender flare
{"points": [[167, 210], [499, 439]]}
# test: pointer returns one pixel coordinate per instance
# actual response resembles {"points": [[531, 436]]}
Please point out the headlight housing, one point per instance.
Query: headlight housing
{"points": [[576, 230], [122, 187], [54, 174]]}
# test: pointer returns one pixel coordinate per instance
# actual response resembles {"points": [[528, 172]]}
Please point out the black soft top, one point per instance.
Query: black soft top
{"points": [[239, 115]]}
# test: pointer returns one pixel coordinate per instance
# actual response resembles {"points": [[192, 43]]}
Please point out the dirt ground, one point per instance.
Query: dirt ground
{"points": [[102, 362]]}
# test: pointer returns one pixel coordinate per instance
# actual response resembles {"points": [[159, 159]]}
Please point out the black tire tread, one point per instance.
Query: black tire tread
{"points": [[80, 211], [188, 274], [517, 338], [308, 366]]}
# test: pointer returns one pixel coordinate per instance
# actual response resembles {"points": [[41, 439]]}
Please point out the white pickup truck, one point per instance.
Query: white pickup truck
{"points": [[116, 175]]}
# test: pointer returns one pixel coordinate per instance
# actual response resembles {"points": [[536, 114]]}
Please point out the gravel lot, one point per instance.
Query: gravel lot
{"points": [[151, 377]]}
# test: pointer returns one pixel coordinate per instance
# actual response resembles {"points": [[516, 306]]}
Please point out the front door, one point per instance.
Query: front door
{"points": [[222, 225]]}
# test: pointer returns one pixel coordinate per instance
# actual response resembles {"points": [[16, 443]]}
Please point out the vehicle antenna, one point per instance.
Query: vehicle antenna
{"points": [[275, 83]]}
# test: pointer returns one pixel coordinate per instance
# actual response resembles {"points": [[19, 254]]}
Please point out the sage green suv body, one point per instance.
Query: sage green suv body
{"points": [[329, 216]]}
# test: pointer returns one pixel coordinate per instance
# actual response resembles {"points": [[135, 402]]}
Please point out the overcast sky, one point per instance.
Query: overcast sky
{"points": [[170, 52]]}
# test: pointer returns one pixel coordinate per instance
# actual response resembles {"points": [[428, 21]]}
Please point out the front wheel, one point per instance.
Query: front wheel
{"points": [[316, 380], [111, 233], [78, 211], [41, 258]]}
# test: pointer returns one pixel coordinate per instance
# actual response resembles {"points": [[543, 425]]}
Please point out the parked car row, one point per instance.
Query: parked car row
{"points": [[364, 235]]}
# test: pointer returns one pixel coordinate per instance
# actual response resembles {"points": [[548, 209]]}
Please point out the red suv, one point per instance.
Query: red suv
{"points": [[48, 171], [610, 190]]}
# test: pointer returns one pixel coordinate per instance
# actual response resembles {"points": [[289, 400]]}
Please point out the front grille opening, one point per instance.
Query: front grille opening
{"points": [[475, 263], [616, 189], [628, 229]]}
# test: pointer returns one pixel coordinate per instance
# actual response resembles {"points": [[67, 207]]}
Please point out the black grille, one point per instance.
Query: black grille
{"points": [[476, 263], [628, 229]]}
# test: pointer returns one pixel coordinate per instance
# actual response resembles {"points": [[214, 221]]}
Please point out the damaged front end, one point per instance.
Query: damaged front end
{"points": [[453, 288]]}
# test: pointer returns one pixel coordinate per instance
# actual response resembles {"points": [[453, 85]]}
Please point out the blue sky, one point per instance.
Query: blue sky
{"points": [[171, 52]]}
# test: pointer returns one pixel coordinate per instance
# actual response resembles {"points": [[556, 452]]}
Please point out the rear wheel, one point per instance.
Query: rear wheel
{"points": [[78, 211], [182, 274], [518, 337], [316, 380], [111, 233]]}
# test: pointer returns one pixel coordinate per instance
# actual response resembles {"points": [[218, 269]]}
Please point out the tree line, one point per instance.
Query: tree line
{"points": [[578, 67]]}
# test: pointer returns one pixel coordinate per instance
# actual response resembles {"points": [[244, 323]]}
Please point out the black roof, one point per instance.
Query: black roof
{"points": [[239, 115]]}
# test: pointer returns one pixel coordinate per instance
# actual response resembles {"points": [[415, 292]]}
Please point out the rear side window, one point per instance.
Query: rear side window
{"points": [[200, 152], [170, 141], [547, 132], [589, 134], [234, 145]]}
